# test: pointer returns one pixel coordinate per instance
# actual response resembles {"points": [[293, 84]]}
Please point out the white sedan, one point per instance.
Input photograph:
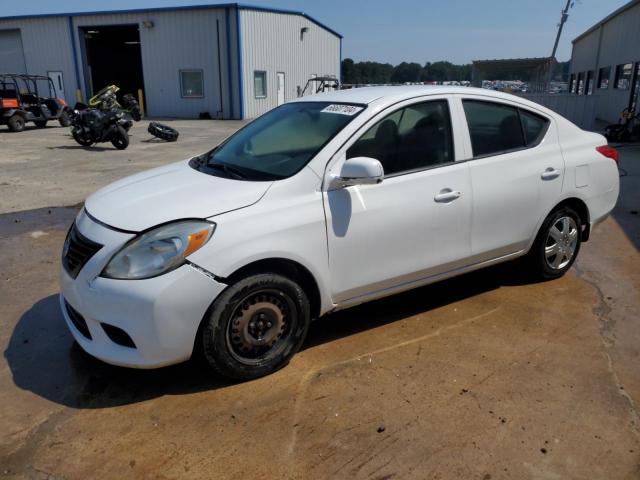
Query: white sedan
{"points": [[320, 204]]}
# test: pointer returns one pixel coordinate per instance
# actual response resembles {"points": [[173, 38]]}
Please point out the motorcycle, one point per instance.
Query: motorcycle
{"points": [[104, 120], [91, 125], [626, 130]]}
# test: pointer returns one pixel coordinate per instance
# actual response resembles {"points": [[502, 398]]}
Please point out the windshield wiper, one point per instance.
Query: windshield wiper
{"points": [[228, 169]]}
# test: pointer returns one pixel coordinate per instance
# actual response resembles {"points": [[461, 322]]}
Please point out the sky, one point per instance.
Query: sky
{"points": [[408, 30]]}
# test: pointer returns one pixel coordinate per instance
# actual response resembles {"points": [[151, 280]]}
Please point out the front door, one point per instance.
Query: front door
{"points": [[280, 87], [58, 83], [414, 224]]}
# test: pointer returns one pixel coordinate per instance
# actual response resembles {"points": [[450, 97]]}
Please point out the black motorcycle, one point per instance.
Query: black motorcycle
{"points": [[92, 125], [104, 119]]}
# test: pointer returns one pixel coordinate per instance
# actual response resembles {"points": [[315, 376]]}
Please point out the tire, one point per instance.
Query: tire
{"points": [[121, 138], [81, 139], [163, 131], [64, 119], [16, 123], [237, 344], [40, 123], [553, 254]]}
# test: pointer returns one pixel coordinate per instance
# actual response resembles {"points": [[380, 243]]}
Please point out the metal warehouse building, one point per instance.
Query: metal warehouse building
{"points": [[606, 62], [232, 61]]}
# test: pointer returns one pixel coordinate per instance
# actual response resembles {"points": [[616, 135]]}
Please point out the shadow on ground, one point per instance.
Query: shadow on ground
{"points": [[44, 359]]}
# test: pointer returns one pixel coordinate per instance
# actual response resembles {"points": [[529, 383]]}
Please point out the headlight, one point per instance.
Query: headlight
{"points": [[159, 250]]}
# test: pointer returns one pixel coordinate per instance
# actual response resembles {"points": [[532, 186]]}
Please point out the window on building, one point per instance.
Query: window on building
{"points": [[572, 83], [603, 77], [191, 84], [580, 84], [410, 139], [623, 76], [589, 89], [260, 84]]}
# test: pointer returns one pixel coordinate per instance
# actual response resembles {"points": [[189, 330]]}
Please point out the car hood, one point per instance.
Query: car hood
{"points": [[168, 193]]}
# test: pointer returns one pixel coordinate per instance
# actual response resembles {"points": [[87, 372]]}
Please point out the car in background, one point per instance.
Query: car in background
{"points": [[321, 204]]}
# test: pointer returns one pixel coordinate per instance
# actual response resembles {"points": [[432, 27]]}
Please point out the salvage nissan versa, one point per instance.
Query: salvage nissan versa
{"points": [[323, 203]]}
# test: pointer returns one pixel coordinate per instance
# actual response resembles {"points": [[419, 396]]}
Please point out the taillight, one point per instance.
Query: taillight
{"points": [[9, 103], [608, 152]]}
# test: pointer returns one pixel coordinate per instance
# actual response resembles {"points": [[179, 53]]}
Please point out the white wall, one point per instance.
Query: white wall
{"points": [[271, 42]]}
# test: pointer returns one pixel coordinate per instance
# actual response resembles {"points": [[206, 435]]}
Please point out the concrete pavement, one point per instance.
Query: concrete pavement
{"points": [[486, 376]]}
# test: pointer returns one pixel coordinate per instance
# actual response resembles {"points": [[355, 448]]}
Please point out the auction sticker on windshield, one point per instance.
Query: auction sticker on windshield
{"points": [[342, 109]]}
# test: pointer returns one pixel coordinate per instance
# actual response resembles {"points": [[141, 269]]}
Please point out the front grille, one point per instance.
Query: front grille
{"points": [[78, 320], [77, 251]]}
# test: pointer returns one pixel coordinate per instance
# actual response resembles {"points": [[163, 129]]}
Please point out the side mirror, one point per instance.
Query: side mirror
{"points": [[358, 171]]}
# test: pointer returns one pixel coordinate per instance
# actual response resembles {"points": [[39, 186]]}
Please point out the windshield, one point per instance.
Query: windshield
{"points": [[281, 142]]}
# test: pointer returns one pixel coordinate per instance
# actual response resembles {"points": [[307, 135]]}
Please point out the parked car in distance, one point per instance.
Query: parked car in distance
{"points": [[323, 203]]}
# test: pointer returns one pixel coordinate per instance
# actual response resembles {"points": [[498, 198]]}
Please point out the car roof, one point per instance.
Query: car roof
{"points": [[388, 95], [393, 94]]}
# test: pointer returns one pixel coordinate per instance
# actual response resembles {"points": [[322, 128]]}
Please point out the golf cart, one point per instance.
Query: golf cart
{"points": [[319, 85], [20, 102]]}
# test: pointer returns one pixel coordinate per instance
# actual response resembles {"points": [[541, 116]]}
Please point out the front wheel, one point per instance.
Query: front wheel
{"points": [[120, 139], [81, 138], [255, 326], [557, 244]]}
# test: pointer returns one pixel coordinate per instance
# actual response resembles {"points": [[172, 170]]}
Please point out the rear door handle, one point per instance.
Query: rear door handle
{"points": [[447, 195], [550, 173]]}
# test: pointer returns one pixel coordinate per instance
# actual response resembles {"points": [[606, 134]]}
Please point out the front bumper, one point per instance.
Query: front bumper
{"points": [[161, 315]]}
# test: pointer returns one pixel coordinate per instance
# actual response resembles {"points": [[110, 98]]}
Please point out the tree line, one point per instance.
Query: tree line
{"points": [[377, 73]]}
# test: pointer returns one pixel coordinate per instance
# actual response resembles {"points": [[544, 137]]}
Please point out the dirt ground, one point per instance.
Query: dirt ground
{"points": [[486, 376]]}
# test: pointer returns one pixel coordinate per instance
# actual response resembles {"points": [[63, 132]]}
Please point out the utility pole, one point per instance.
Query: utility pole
{"points": [[563, 19]]}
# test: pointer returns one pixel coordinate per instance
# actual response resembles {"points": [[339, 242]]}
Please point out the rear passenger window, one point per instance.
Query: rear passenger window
{"points": [[413, 138], [494, 128], [534, 126]]}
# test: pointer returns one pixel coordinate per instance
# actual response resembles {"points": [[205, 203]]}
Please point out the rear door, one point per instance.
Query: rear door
{"points": [[516, 171]]}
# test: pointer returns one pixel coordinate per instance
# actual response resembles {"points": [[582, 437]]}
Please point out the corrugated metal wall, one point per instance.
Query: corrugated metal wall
{"points": [[11, 53], [179, 40], [47, 47], [272, 42], [615, 42]]}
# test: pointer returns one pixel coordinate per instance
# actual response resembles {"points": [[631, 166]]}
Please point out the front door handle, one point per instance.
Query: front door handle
{"points": [[550, 173], [447, 195]]}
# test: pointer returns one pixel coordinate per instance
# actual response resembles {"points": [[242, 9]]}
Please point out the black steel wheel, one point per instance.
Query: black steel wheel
{"points": [[120, 139], [16, 123], [255, 326], [164, 132]]}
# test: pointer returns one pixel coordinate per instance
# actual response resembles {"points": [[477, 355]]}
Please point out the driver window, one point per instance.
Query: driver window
{"points": [[413, 138]]}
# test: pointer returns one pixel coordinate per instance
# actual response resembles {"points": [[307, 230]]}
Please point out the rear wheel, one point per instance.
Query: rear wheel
{"points": [[64, 119], [40, 123], [120, 139], [16, 123], [557, 244], [255, 326]]}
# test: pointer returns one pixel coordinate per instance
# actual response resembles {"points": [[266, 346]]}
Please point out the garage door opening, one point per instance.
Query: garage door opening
{"points": [[112, 56]]}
